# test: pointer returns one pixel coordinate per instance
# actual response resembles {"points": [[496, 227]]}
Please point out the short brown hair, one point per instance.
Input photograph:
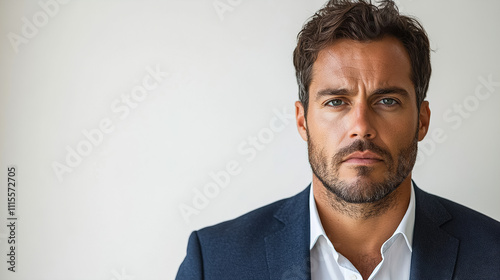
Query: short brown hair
{"points": [[362, 21]]}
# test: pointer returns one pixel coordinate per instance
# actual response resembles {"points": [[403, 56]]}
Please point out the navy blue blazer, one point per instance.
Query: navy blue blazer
{"points": [[450, 241]]}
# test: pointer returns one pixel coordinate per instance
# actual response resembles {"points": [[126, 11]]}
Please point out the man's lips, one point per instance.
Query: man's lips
{"points": [[365, 157]]}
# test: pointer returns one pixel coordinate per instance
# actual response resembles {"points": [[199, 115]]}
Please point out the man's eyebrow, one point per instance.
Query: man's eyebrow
{"points": [[329, 92], [396, 90]]}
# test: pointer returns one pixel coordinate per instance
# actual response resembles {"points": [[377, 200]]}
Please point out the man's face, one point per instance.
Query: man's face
{"points": [[362, 123]]}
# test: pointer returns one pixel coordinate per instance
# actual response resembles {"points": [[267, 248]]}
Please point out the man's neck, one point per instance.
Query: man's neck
{"points": [[359, 231]]}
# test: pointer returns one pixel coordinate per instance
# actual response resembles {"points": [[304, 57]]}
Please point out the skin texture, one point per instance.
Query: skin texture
{"points": [[362, 128]]}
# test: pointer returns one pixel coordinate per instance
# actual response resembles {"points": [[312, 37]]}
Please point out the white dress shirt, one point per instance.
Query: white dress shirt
{"points": [[327, 263]]}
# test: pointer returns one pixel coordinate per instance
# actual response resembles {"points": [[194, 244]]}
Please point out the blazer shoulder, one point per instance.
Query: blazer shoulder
{"points": [[237, 249], [461, 220], [467, 215], [260, 221], [452, 239]]}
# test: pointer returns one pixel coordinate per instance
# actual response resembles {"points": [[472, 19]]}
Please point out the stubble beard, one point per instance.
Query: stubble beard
{"points": [[362, 198]]}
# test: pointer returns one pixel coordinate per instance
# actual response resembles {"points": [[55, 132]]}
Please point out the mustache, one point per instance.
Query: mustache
{"points": [[361, 146]]}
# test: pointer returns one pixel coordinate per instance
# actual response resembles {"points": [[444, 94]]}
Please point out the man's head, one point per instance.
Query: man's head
{"points": [[363, 73], [361, 21]]}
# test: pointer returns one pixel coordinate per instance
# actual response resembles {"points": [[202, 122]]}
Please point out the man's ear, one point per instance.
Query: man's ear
{"points": [[300, 118], [425, 118]]}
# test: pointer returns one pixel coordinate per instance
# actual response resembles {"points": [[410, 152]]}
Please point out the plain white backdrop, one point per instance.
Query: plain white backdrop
{"points": [[118, 114]]}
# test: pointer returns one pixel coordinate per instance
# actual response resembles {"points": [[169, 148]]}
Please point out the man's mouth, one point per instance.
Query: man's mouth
{"points": [[363, 158]]}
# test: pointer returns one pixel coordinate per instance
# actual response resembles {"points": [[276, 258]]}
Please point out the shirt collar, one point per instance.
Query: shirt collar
{"points": [[405, 227], [315, 223]]}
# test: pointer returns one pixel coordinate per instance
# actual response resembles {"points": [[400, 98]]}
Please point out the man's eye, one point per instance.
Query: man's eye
{"points": [[335, 102], [388, 101]]}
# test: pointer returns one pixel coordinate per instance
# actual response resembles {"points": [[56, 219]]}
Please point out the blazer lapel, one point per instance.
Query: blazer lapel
{"points": [[287, 249], [434, 251]]}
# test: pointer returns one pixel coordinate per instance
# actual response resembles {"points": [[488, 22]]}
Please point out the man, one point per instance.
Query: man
{"points": [[363, 73]]}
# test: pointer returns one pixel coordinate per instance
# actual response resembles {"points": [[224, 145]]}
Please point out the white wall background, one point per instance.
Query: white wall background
{"points": [[116, 214]]}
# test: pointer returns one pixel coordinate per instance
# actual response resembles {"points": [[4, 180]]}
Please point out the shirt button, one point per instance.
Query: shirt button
{"points": [[354, 277]]}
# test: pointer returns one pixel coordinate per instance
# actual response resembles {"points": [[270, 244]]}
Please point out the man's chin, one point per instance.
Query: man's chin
{"points": [[354, 172], [362, 181], [361, 189]]}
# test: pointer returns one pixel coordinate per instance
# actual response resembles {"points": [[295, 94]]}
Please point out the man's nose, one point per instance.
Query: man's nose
{"points": [[361, 122]]}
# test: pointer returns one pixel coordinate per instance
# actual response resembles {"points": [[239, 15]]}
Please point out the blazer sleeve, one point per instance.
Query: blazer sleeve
{"points": [[192, 266]]}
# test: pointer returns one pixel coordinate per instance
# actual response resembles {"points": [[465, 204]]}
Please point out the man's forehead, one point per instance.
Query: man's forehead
{"points": [[384, 61], [352, 53]]}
